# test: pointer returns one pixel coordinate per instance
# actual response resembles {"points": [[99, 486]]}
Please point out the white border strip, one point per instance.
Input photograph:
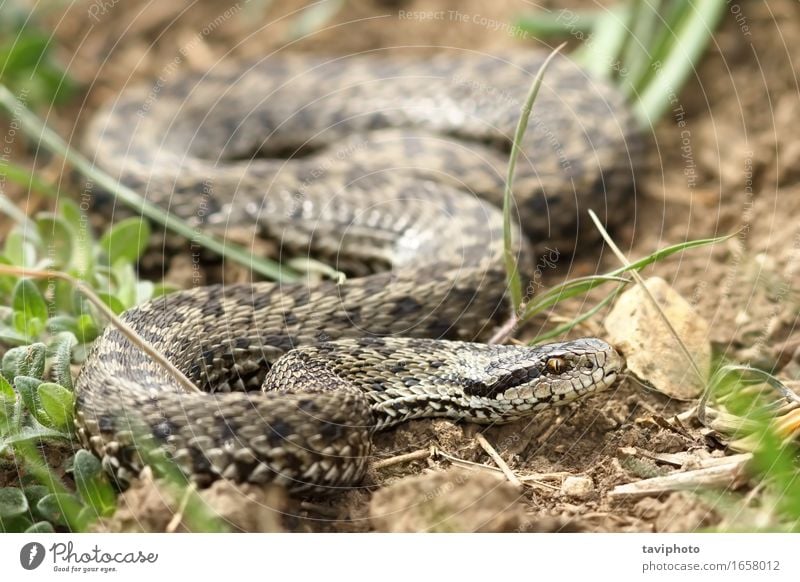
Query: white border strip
{"points": [[389, 557]]}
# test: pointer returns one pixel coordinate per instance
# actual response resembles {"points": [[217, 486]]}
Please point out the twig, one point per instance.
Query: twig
{"points": [[552, 427], [173, 524], [545, 476], [687, 414], [674, 459], [537, 479], [405, 458], [505, 331], [490, 450], [465, 463], [723, 475], [541, 485]]}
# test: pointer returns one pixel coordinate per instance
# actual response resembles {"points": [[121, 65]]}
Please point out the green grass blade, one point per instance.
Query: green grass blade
{"points": [[637, 52], [26, 179], [510, 260], [643, 51], [648, 46], [14, 213], [758, 375], [570, 325], [584, 284], [572, 288], [600, 54], [548, 24], [671, 71]]}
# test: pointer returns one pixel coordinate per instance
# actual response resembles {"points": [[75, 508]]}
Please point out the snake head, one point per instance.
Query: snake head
{"points": [[531, 378]]}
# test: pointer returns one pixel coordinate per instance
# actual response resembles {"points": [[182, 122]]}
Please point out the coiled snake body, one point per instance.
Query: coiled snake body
{"points": [[373, 163]]}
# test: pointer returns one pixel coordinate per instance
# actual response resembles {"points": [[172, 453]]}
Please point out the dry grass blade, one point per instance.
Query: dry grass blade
{"points": [[123, 327], [490, 450], [638, 278]]}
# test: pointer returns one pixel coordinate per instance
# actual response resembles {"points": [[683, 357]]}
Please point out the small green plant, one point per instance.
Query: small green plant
{"points": [[33, 411], [767, 427], [36, 412], [46, 324], [43, 503], [36, 310], [50, 321], [32, 407]]}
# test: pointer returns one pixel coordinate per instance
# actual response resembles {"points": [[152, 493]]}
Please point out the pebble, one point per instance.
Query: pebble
{"points": [[578, 487]]}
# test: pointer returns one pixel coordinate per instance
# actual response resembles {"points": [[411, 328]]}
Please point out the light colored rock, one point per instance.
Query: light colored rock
{"points": [[578, 487], [652, 353]]}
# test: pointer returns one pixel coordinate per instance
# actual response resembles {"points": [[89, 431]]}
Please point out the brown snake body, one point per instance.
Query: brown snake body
{"points": [[371, 163]]}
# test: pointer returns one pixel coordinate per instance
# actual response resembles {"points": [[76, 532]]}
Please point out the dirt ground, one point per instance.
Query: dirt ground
{"points": [[733, 166]]}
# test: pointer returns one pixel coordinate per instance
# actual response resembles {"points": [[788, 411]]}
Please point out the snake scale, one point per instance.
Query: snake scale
{"points": [[390, 167]]}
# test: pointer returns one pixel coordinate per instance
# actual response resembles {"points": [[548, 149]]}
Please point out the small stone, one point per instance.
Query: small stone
{"points": [[578, 487], [652, 353], [741, 318]]}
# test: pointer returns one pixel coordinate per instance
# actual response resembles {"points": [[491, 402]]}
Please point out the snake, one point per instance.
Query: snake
{"points": [[391, 168]]}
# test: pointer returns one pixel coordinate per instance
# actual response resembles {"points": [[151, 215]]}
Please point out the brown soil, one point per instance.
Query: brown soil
{"points": [[722, 160]]}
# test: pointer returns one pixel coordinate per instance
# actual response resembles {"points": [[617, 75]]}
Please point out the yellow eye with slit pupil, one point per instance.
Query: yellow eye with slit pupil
{"points": [[556, 365]]}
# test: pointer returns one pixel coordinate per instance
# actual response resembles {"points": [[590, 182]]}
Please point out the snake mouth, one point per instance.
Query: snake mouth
{"points": [[616, 366], [610, 378]]}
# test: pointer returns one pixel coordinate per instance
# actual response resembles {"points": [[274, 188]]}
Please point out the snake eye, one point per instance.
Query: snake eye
{"points": [[556, 365]]}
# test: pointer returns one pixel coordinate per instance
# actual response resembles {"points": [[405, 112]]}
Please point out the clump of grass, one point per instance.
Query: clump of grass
{"points": [[648, 49], [57, 283], [746, 410], [630, 43], [522, 308], [36, 410]]}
